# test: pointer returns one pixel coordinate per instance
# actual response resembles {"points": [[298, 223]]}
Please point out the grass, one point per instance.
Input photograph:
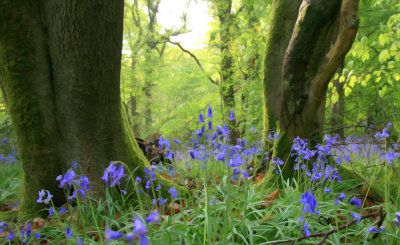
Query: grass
{"points": [[220, 210]]}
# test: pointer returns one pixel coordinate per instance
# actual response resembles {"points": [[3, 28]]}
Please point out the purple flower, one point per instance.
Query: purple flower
{"points": [[113, 173], [356, 216], [201, 119], [10, 236], [177, 141], [140, 228], [74, 164], [373, 229], [173, 192], [80, 241], [356, 202], [51, 211], [63, 210], [38, 236], [327, 190], [390, 156], [112, 235], [232, 116], [161, 201], [397, 219], [210, 125], [67, 179], [342, 196], [42, 194], [305, 229], [212, 201], [3, 225], [273, 136], [68, 232], [210, 113], [138, 179], [309, 202], [154, 217], [129, 237]]}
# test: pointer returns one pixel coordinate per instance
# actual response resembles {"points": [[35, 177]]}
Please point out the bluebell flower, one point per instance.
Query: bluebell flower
{"points": [[212, 201], [3, 225], [390, 156], [148, 186], [161, 201], [51, 211], [300, 219], [10, 236], [173, 192], [177, 141], [139, 227], [397, 219], [67, 179], [113, 173], [63, 210], [210, 125], [112, 235], [80, 241], [129, 237], [309, 202], [245, 174], [38, 236], [42, 194], [138, 179], [356, 216], [342, 196], [232, 116], [306, 229], [384, 133], [154, 217], [327, 190], [200, 132], [158, 187], [74, 164], [373, 229], [68, 233], [356, 202], [273, 136], [209, 113], [201, 119], [82, 185]]}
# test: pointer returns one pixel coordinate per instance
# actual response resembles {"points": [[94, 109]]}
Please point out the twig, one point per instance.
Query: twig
{"points": [[195, 58], [325, 234], [382, 217]]}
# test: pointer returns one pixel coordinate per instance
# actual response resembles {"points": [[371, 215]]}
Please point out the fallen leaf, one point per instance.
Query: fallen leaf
{"points": [[38, 223]]}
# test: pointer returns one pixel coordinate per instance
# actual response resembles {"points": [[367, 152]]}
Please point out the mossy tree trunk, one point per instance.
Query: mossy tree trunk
{"points": [[227, 90], [337, 107], [60, 66], [320, 38]]}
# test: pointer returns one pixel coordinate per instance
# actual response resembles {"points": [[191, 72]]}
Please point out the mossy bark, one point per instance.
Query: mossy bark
{"points": [[321, 37], [282, 20], [227, 89], [60, 66]]}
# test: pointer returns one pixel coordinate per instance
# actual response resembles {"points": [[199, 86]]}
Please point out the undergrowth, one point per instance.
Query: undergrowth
{"points": [[224, 206]]}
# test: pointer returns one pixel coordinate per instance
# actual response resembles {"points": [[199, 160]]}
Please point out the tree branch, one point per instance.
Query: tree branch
{"points": [[325, 234], [195, 58]]}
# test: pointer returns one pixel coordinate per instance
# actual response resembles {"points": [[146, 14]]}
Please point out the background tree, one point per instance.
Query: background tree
{"points": [[60, 68]]}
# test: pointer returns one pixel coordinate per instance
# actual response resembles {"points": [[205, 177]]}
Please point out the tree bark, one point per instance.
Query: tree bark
{"points": [[337, 108], [322, 35], [282, 20], [227, 91], [60, 65]]}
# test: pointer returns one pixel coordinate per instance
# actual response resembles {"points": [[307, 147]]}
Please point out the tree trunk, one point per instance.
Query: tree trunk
{"points": [[322, 35], [227, 84], [60, 66], [282, 20], [337, 108]]}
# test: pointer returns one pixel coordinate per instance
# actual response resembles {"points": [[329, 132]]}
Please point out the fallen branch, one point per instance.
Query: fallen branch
{"points": [[325, 234]]}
